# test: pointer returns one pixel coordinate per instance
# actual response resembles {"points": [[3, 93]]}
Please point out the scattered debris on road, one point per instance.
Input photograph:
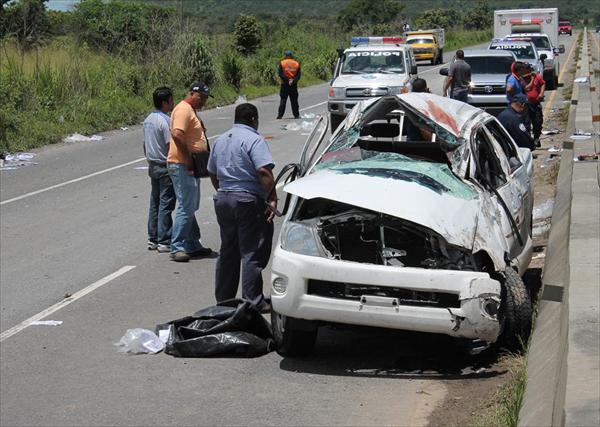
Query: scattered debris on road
{"points": [[219, 331], [140, 341], [47, 323], [543, 210], [553, 131], [13, 161], [77, 137]]}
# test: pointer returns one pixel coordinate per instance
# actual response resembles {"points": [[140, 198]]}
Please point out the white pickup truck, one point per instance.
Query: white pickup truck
{"points": [[371, 67]]}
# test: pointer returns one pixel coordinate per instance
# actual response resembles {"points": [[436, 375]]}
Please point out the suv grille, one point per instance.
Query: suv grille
{"points": [[352, 291], [366, 91], [488, 90]]}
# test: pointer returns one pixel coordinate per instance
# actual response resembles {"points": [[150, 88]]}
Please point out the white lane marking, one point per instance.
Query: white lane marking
{"points": [[72, 181], [313, 106], [77, 295]]}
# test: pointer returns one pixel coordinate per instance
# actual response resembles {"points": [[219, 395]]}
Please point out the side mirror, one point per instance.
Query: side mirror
{"points": [[561, 48], [543, 56], [413, 69], [444, 71]]}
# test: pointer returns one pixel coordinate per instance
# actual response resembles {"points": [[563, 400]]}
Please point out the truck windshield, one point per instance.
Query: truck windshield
{"points": [[421, 40], [521, 50], [489, 64], [365, 62], [541, 43]]}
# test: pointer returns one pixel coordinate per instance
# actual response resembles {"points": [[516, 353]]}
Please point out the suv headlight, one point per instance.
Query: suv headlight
{"points": [[301, 239], [397, 90], [337, 92]]}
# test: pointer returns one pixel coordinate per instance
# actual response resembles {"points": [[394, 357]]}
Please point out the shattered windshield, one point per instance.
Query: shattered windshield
{"points": [[365, 62], [436, 176]]}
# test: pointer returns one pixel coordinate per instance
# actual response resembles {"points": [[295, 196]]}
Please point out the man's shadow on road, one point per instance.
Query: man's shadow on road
{"points": [[386, 353]]}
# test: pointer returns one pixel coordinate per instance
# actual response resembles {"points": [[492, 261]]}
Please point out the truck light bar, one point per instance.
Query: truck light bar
{"points": [[535, 21], [376, 40]]}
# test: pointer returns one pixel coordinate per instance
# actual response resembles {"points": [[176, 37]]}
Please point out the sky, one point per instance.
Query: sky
{"points": [[61, 5]]}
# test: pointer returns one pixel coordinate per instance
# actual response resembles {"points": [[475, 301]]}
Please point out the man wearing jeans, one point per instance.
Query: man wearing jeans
{"points": [[241, 170], [156, 148], [187, 136]]}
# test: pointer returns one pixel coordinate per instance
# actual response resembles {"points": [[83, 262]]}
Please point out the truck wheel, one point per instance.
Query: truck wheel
{"points": [[433, 61], [293, 337], [515, 312], [441, 57], [335, 121]]}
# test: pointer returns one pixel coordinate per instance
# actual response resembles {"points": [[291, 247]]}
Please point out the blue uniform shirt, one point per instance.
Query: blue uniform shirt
{"points": [[515, 82], [235, 157]]}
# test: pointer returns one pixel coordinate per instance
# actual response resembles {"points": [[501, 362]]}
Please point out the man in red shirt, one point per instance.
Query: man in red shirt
{"points": [[535, 86]]}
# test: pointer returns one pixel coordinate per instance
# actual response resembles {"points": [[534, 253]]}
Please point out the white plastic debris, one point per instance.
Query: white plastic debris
{"points": [[140, 341], [47, 323], [308, 115], [241, 100], [292, 126], [550, 131], [124, 128], [541, 230], [306, 125], [14, 161], [554, 150], [581, 80], [77, 137], [543, 210]]}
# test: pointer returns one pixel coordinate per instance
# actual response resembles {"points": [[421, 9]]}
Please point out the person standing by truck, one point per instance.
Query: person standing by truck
{"points": [[289, 73], [459, 78], [535, 86]]}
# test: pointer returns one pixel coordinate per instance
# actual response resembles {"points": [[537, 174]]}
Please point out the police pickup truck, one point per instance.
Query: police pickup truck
{"points": [[370, 67]]}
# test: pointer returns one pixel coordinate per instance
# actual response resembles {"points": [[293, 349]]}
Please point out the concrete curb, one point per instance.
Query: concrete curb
{"points": [[562, 364]]}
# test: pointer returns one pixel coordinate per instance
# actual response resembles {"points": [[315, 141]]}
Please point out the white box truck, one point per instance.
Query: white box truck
{"points": [[539, 25]]}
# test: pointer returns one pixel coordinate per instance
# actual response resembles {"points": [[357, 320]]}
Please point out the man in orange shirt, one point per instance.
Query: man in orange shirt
{"points": [[188, 136], [289, 73]]}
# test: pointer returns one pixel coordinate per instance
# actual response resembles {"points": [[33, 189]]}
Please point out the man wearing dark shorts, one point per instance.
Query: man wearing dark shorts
{"points": [[241, 170]]}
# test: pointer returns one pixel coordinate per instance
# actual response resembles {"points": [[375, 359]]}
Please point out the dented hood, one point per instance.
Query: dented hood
{"points": [[433, 198]]}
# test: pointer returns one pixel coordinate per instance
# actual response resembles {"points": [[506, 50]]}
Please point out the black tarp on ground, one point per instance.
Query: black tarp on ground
{"points": [[239, 331]]}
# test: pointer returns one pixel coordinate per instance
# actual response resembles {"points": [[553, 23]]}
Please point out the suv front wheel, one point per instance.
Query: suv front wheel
{"points": [[293, 337]]}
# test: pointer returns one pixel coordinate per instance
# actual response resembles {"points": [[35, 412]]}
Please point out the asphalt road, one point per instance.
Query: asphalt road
{"points": [[78, 218]]}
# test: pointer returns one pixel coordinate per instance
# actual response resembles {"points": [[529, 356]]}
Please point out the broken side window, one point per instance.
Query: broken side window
{"points": [[505, 142], [489, 170]]}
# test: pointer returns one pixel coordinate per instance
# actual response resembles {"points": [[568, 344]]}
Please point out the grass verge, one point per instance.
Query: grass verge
{"points": [[502, 409]]}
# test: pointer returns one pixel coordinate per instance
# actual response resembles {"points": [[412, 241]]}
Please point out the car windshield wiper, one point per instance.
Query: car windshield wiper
{"points": [[386, 71], [354, 72]]}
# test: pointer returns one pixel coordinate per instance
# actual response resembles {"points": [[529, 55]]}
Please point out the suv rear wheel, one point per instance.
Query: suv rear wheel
{"points": [[293, 337]]}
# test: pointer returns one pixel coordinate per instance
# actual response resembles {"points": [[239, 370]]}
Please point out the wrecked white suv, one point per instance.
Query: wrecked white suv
{"points": [[415, 215]]}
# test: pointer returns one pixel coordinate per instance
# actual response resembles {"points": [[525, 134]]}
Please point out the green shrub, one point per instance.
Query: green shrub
{"points": [[247, 34], [232, 66], [195, 58]]}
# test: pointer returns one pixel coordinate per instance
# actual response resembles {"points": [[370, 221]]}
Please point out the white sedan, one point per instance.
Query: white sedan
{"points": [[415, 215]]}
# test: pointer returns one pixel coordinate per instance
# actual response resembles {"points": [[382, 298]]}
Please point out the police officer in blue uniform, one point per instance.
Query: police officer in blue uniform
{"points": [[515, 120], [241, 170]]}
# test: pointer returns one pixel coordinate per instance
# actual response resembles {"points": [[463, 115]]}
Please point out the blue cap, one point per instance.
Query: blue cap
{"points": [[288, 53], [519, 97]]}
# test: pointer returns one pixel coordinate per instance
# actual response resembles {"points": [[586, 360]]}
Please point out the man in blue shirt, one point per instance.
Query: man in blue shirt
{"points": [[514, 83], [156, 147], [241, 170]]}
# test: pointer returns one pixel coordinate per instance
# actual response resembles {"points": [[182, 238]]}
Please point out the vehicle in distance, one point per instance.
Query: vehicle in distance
{"points": [[565, 27], [371, 67], [427, 45], [523, 49], [428, 232], [489, 71]]}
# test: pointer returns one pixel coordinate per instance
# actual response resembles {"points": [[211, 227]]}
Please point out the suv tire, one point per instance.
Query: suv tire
{"points": [[515, 312], [293, 337]]}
